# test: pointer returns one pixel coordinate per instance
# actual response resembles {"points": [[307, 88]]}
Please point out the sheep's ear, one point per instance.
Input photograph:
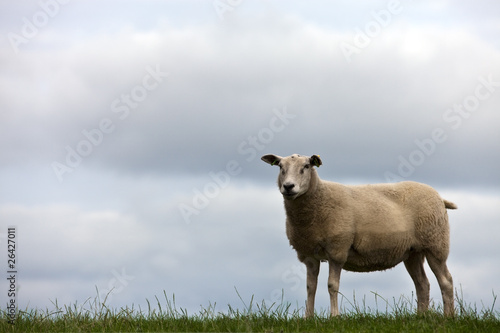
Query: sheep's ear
{"points": [[271, 159], [315, 160]]}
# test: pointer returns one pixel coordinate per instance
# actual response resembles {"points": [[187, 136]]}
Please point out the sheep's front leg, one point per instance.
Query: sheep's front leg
{"points": [[312, 283], [333, 286]]}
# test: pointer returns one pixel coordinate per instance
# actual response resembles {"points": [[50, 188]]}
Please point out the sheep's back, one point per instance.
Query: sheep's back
{"points": [[410, 209]]}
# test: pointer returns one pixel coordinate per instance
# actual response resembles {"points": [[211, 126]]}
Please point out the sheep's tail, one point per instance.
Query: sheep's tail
{"points": [[449, 204]]}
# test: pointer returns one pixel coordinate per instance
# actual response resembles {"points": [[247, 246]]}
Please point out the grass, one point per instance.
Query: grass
{"points": [[399, 316]]}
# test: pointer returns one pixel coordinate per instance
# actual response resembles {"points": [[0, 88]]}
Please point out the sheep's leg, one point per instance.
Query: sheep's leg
{"points": [[445, 281], [312, 283], [333, 286], [415, 267]]}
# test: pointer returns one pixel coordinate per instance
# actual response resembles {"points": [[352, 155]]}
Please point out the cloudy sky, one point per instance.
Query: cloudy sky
{"points": [[131, 134]]}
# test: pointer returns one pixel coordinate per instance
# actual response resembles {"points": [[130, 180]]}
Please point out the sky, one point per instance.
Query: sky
{"points": [[131, 134]]}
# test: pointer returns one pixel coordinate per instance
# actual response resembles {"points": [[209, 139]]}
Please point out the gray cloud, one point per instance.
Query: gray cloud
{"points": [[223, 84]]}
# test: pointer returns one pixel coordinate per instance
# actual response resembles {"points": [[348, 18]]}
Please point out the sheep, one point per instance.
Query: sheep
{"points": [[364, 228]]}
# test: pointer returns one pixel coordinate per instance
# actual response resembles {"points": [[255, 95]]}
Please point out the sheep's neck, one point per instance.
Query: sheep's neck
{"points": [[303, 209]]}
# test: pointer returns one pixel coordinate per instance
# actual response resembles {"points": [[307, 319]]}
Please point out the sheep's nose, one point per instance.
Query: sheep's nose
{"points": [[288, 187]]}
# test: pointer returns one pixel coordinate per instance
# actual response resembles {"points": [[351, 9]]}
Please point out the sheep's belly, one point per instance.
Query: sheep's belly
{"points": [[376, 260]]}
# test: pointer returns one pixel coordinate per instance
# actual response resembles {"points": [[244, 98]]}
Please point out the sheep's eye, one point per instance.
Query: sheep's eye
{"points": [[305, 167]]}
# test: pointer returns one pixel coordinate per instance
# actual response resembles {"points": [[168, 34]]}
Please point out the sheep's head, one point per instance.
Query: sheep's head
{"points": [[295, 173]]}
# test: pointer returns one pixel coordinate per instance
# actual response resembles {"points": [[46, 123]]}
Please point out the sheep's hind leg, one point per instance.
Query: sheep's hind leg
{"points": [[312, 283], [445, 281], [415, 267]]}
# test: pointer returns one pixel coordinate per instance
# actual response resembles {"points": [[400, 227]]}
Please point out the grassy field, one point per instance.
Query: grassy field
{"points": [[164, 316]]}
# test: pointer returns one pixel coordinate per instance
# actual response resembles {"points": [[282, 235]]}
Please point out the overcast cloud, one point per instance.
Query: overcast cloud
{"points": [[131, 134]]}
